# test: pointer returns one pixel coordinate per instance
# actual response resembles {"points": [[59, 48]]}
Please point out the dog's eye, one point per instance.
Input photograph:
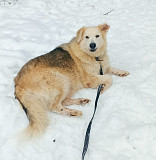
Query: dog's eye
{"points": [[97, 36], [87, 37]]}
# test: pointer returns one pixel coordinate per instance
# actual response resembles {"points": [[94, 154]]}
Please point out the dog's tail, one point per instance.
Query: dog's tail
{"points": [[38, 122], [36, 113]]}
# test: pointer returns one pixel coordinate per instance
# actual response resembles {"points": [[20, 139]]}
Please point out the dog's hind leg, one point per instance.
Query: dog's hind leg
{"points": [[117, 72], [66, 111], [59, 108], [78, 101]]}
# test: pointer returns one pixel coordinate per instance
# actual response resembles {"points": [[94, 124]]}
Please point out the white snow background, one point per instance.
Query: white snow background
{"points": [[124, 127]]}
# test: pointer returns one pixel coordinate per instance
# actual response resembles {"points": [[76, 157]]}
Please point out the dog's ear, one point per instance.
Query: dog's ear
{"points": [[104, 27], [80, 34]]}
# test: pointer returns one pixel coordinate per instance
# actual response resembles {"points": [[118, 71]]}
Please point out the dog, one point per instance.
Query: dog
{"points": [[49, 81]]}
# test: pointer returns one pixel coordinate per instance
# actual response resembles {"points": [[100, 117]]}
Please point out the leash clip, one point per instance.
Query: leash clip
{"points": [[97, 59]]}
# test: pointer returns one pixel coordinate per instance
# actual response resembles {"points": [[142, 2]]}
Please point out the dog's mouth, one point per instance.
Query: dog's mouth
{"points": [[93, 50]]}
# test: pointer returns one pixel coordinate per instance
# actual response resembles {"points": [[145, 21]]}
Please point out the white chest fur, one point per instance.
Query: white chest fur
{"points": [[92, 68]]}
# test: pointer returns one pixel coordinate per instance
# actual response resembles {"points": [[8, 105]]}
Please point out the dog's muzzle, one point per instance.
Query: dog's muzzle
{"points": [[92, 47]]}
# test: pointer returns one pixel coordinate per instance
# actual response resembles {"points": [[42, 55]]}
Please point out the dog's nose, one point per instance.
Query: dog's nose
{"points": [[92, 45]]}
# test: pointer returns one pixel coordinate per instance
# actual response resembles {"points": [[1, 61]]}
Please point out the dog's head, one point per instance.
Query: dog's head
{"points": [[92, 39]]}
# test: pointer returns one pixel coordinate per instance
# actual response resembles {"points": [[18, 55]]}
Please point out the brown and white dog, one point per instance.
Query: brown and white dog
{"points": [[49, 81]]}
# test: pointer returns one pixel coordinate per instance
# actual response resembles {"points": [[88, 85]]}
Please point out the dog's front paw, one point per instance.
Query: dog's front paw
{"points": [[122, 73], [106, 85], [102, 88]]}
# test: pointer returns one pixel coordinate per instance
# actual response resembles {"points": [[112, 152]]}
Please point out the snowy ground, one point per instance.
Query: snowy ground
{"points": [[125, 123]]}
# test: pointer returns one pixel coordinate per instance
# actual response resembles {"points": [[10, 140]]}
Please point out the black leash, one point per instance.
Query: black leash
{"points": [[86, 142]]}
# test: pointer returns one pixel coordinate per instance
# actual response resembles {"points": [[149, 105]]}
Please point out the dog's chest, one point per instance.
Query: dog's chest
{"points": [[92, 68]]}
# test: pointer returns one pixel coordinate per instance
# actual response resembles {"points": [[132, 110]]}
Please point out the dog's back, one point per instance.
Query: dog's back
{"points": [[58, 58]]}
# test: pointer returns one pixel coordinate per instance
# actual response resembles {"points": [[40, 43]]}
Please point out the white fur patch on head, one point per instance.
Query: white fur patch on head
{"points": [[92, 39]]}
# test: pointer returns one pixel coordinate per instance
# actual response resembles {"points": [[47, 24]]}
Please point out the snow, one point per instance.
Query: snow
{"points": [[124, 127]]}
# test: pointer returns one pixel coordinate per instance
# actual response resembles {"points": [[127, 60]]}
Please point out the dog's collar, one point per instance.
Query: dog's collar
{"points": [[97, 59]]}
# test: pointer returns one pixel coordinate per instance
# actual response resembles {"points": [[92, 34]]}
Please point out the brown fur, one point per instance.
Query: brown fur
{"points": [[49, 81]]}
